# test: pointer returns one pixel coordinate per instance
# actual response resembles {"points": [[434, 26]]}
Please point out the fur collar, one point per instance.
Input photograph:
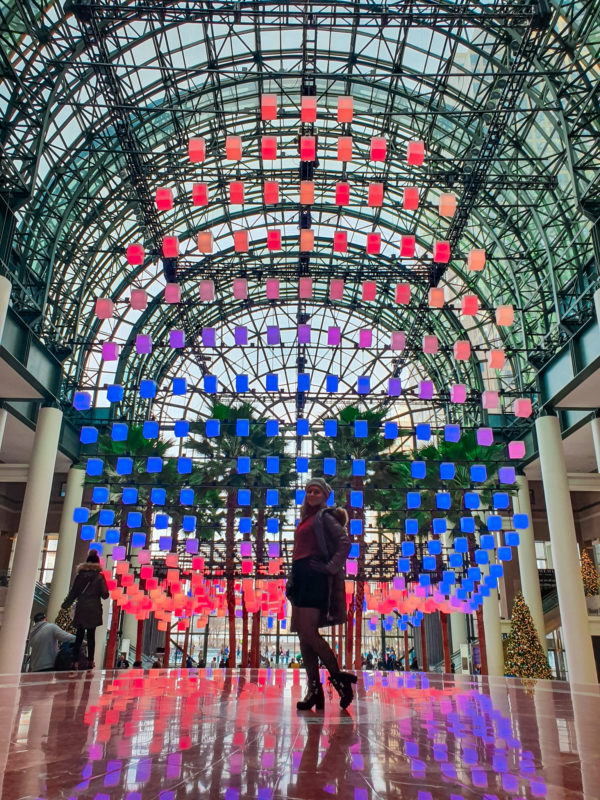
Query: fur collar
{"points": [[89, 565]]}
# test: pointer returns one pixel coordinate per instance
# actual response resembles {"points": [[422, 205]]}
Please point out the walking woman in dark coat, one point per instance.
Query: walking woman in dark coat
{"points": [[316, 590], [89, 588]]}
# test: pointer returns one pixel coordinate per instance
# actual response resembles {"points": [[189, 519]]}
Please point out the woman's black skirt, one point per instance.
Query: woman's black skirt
{"points": [[307, 588]]}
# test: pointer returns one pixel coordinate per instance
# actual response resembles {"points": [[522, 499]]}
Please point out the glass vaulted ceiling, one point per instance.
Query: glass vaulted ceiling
{"points": [[97, 107]]}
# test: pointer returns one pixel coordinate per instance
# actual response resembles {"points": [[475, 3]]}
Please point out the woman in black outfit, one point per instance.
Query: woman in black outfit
{"points": [[316, 590], [89, 588]]}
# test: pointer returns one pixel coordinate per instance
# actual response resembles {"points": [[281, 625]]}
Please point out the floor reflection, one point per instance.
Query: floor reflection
{"points": [[217, 734]]}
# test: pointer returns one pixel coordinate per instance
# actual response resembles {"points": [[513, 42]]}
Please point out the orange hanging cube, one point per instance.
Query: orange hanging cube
{"points": [[342, 194], [344, 148], [415, 153], [233, 148], [378, 149], [441, 252], [505, 316], [271, 192], [373, 243], [196, 150], [410, 198], [345, 109], [268, 148], [200, 194], [470, 305], [375, 195], [164, 199], [340, 241], [307, 240], [274, 239], [308, 148], [402, 295], [496, 359], [170, 246], [369, 291], [407, 246], [447, 204], [236, 193], [205, 242], [308, 109], [462, 350], [436, 297], [268, 106], [240, 241], [307, 193], [476, 260]]}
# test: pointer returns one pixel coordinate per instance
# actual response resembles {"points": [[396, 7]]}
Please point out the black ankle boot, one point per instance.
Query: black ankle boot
{"points": [[314, 697], [342, 682]]}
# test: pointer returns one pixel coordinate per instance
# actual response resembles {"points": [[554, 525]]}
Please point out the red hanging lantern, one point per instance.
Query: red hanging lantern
{"points": [[268, 148], [378, 148], [308, 148], [164, 199], [200, 194], [170, 246], [196, 150], [373, 243], [441, 252], [135, 255], [342, 194], [340, 241], [236, 193], [410, 199], [375, 195], [415, 153], [407, 246], [344, 148], [233, 148], [268, 106], [274, 239], [240, 241], [345, 109], [308, 109], [271, 192]]}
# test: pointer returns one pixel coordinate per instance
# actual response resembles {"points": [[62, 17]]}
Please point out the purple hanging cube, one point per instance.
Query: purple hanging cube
{"points": [[110, 351], [485, 437], [365, 337], [334, 336], [273, 336], [426, 390], [241, 335], [209, 337], [304, 334], [395, 387], [191, 545], [176, 339], [273, 549], [143, 344]]}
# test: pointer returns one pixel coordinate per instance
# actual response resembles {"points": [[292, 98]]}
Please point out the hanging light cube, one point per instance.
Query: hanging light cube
{"points": [[272, 287], [402, 294], [373, 243], [375, 196], [307, 193], [138, 299], [334, 336], [369, 291], [336, 289], [268, 148], [470, 305], [436, 297], [344, 148], [135, 255], [307, 240], [410, 198], [163, 199], [143, 344], [206, 291], [426, 390], [345, 109], [462, 350], [205, 242], [458, 393], [240, 241], [365, 337], [236, 193], [485, 437], [505, 316], [268, 107], [308, 108], [304, 334], [170, 246], [496, 359], [176, 339], [340, 242], [305, 288], [342, 194], [452, 433], [104, 308], [271, 193], [522, 407], [308, 148], [233, 148], [415, 153], [490, 399], [516, 449], [196, 150], [378, 150], [476, 260], [407, 246], [398, 340], [394, 387], [273, 335], [274, 239], [172, 293], [209, 337], [441, 252], [200, 194], [447, 204]]}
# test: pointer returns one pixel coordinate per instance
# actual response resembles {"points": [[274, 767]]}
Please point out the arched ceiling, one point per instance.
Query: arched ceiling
{"points": [[98, 102]]}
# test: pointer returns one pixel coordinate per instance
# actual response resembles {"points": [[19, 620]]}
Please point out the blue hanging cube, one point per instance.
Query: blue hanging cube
{"points": [[164, 543], [521, 522], [245, 524], [403, 565], [243, 497], [301, 464], [241, 384], [512, 538], [150, 429], [447, 471], [299, 496], [179, 386], [478, 473], [272, 382], [356, 499], [449, 577], [471, 500], [474, 573], [88, 435], [411, 527], [440, 526], [186, 497], [184, 465], [272, 498], [494, 522], [82, 401], [461, 544], [243, 465], [468, 584], [413, 499], [138, 539], [272, 465], [81, 514], [329, 466], [424, 580], [361, 429], [213, 427], [210, 384], [154, 464], [129, 495], [114, 393], [452, 433], [418, 470], [356, 527], [303, 382], [354, 550], [181, 428], [330, 427], [272, 525], [134, 519], [119, 432], [147, 389], [189, 523], [467, 525], [434, 547], [482, 557], [390, 430], [94, 467], [462, 594], [161, 522], [242, 427], [504, 554], [490, 583], [100, 495], [112, 536], [455, 560], [501, 500], [429, 563], [443, 500], [496, 570], [272, 427], [302, 428], [408, 548], [158, 496], [332, 383], [423, 431], [487, 541], [106, 517], [359, 467], [363, 385], [507, 475]]}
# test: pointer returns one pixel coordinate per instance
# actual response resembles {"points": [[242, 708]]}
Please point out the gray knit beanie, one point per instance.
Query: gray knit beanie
{"points": [[322, 484]]}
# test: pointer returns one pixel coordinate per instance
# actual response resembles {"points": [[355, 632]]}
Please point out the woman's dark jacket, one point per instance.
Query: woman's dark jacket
{"points": [[88, 588], [334, 546]]}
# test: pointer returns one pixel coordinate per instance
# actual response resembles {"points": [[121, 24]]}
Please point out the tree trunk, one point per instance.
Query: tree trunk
{"points": [[425, 664], [260, 546], [445, 621], [111, 647], [229, 572], [186, 644]]}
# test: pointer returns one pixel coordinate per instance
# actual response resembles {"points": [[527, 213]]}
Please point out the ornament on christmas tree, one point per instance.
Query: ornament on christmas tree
{"points": [[525, 657], [589, 575]]}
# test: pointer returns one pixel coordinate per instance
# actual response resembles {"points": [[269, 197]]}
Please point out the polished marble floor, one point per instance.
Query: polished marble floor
{"points": [[175, 734]]}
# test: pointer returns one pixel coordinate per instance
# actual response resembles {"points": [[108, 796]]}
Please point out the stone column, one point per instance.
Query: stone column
{"points": [[493, 632], [5, 290], [67, 537], [595, 423], [530, 579], [565, 555], [30, 537], [458, 627]]}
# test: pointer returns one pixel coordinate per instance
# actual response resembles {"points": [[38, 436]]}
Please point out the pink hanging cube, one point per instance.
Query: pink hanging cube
{"points": [[516, 449], [345, 109], [135, 255], [415, 153], [205, 242], [369, 291], [336, 289], [308, 109], [490, 399], [398, 340], [240, 241], [505, 316], [240, 288], [402, 295], [245, 549], [462, 350], [425, 390], [268, 106], [305, 288], [496, 359], [436, 297], [344, 148], [334, 336], [447, 204], [164, 199], [307, 193], [196, 150], [485, 437], [176, 339], [522, 407], [104, 307], [340, 241], [441, 252], [170, 246], [470, 305], [476, 260], [143, 344], [378, 149], [458, 393], [271, 192], [365, 337], [240, 335], [268, 148], [172, 293], [351, 567], [110, 351], [236, 193], [274, 239], [209, 337], [206, 290], [375, 198], [139, 299], [342, 194], [308, 148], [410, 198], [233, 148], [430, 344], [304, 334], [200, 194], [373, 243], [273, 288], [407, 246], [307, 240]]}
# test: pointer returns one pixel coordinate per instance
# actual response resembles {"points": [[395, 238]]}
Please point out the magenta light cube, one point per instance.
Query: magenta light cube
{"points": [[304, 334], [430, 344], [272, 288], [458, 393], [110, 351], [398, 341], [143, 344], [485, 437], [516, 449], [273, 334], [118, 553], [176, 339], [334, 336], [365, 338], [490, 399], [245, 549], [522, 407], [241, 335], [394, 387], [426, 390], [172, 293], [209, 337], [240, 288]]}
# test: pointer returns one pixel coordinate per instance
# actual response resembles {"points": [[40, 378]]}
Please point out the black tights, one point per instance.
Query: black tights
{"points": [[312, 645], [90, 633]]}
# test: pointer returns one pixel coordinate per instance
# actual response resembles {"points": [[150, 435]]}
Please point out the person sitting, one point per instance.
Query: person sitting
{"points": [[43, 640], [122, 663]]}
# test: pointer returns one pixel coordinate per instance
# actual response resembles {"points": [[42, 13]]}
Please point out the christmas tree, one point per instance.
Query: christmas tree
{"points": [[589, 575], [524, 655]]}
